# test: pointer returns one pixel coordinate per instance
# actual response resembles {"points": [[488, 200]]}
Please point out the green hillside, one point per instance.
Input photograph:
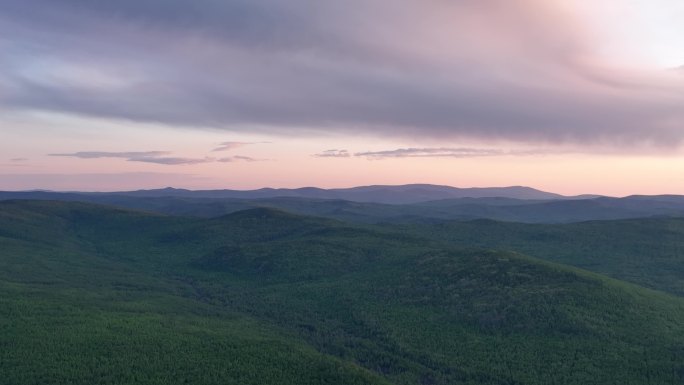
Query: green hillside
{"points": [[94, 295], [647, 251], [209, 204]]}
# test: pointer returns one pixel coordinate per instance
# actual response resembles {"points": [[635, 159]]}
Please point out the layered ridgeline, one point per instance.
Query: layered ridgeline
{"points": [[95, 295], [645, 251], [400, 194], [385, 204]]}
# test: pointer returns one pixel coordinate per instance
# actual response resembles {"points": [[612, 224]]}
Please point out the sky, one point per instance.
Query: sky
{"points": [[569, 96]]}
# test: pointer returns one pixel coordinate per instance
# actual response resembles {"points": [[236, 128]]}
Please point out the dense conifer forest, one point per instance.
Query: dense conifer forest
{"points": [[97, 295]]}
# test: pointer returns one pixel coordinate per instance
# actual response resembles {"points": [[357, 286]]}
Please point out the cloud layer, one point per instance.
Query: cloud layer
{"points": [[106, 154], [519, 70], [238, 158], [227, 146], [431, 153], [333, 154], [156, 157]]}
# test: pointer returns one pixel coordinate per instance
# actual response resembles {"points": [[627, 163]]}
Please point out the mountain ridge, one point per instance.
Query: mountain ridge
{"points": [[565, 210], [388, 194]]}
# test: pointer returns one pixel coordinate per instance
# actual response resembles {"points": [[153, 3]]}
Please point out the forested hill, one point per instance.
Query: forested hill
{"points": [[645, 251], [95, 295], [545, 209]]}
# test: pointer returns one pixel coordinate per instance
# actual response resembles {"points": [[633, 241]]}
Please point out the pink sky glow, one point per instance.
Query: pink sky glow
{"points": [[565, 96]]}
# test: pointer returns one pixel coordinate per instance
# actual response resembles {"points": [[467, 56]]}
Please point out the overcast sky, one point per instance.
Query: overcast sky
{"points": [[564, 95]]}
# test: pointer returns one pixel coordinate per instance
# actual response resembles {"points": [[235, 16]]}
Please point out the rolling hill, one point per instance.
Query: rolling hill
{"points": [[645, 251], [97, 295], [496, 208]]}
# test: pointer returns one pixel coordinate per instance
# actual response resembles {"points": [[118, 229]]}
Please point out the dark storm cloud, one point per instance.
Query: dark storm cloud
{"points": [[505, 69]]}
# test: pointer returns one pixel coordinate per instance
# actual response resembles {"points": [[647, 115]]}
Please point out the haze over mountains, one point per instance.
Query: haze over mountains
{"points": [[375, 204], [411, 193]]}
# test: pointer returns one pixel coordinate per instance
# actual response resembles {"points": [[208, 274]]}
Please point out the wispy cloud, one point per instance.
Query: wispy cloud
{"points": [[105, 154], [446, 152], [17, 162], [156, 157], [431, 153], [238, 158], [171, 161], [226, 146], [333, 154], [246, 158]]}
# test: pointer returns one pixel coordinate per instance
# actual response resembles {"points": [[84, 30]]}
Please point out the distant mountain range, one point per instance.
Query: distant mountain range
{"points": [[402, 194], [385, 204]]}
